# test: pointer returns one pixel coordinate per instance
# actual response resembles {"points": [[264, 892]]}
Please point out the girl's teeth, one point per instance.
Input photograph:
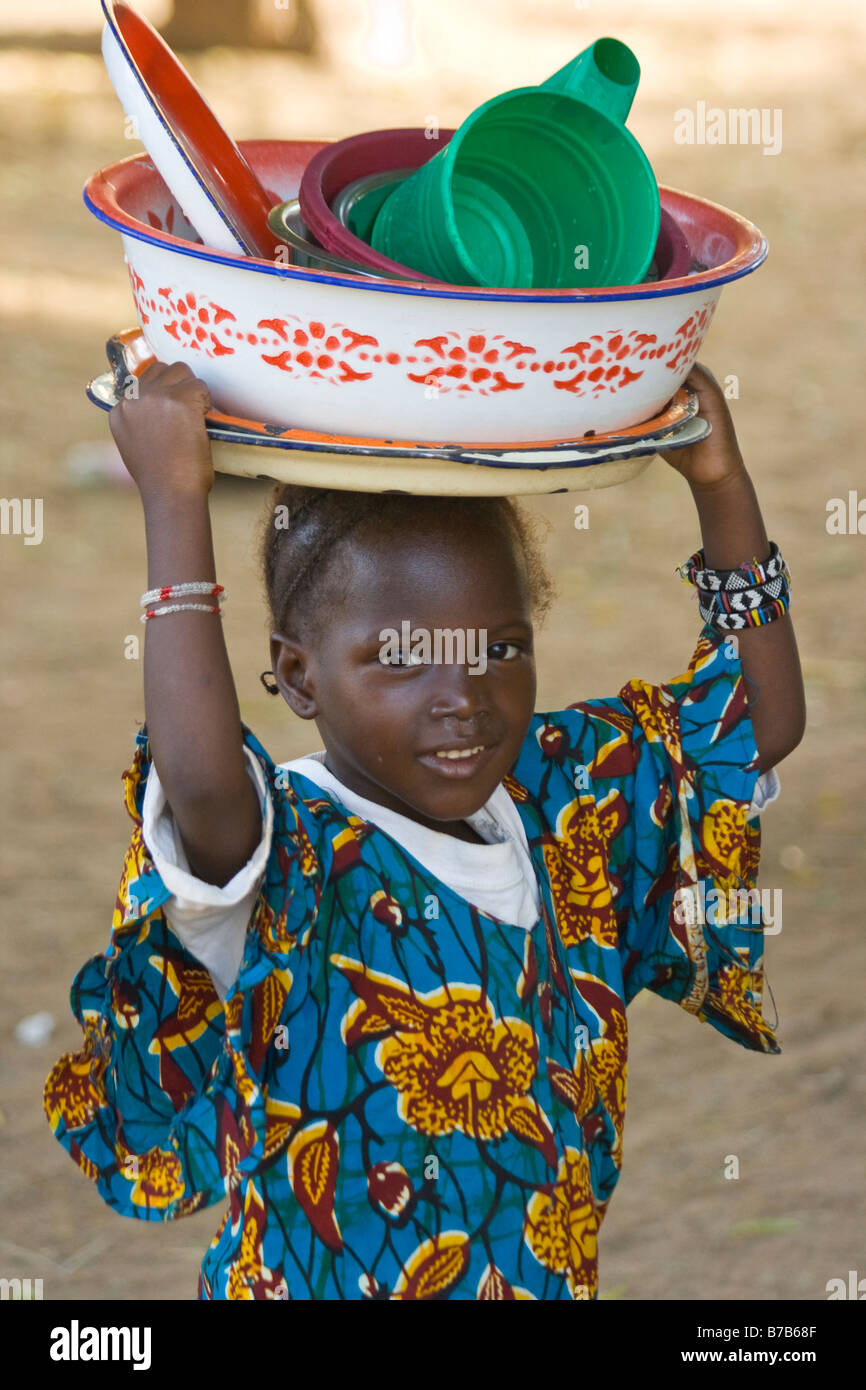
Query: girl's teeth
{"points": [[459, 752]]}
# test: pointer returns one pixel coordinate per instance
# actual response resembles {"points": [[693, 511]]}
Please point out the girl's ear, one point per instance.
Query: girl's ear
{"points": [[290, 665]]}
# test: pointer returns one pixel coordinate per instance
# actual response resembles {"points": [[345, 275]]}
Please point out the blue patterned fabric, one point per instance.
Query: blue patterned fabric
{"points": [[403, 1097]]}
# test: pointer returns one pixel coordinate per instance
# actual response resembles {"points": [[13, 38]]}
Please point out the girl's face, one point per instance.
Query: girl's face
{"points": [[387, 727]]}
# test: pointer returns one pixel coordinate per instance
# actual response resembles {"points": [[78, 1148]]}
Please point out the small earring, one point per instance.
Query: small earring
{"points": [[266, 678]]}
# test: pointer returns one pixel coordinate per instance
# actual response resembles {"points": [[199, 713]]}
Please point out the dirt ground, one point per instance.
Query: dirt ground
{"points": [[793, 336]]}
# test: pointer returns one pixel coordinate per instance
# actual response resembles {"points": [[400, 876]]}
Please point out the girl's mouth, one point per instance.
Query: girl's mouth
{"points": [[457, 761]]}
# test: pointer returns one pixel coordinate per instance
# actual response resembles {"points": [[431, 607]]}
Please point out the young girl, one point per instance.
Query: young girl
{"points": [[376, 996]]}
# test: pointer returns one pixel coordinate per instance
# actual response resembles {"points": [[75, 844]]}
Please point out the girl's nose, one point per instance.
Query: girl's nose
{"points": [[458, 692]]}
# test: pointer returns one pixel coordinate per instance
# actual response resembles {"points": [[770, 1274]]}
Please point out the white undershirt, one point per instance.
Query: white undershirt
{"points": [[211, 922], [497, 877]]}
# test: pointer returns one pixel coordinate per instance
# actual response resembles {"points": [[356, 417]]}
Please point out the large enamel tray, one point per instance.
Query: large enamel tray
{"points": [[447, 469]]}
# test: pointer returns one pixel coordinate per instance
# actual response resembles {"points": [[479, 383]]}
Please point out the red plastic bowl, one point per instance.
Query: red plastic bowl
{"points": [[343, 161], [673, 255]]}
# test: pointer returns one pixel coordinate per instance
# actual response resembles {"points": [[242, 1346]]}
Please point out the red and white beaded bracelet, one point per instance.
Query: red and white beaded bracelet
{"points": [[178, 590], [168, 591], [180, 608]]}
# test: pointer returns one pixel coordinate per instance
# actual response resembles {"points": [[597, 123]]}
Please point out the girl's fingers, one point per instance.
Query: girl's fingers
{"points": [[701, 379], [159, 372], [175, 377], [181, 377], [176, 372], [164, 375], [197, 391]]}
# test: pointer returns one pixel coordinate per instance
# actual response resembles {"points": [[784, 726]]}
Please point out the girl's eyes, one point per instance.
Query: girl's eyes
{"points": [[499, 651], [405, 659]]}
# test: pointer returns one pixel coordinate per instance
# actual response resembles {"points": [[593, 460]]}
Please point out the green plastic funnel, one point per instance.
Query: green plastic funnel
{"points": [[539, 187]]}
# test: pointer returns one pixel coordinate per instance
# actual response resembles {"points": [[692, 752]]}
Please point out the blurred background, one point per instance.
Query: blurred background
{"points": [[793, 337]]}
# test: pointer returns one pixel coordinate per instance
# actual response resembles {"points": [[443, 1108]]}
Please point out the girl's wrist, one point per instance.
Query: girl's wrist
{"points": [[179, 538], [719, 475], [178, 499], [732, 528]]}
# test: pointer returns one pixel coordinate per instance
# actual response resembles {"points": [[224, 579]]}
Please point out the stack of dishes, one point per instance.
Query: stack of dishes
{"points": [[371, 376]]}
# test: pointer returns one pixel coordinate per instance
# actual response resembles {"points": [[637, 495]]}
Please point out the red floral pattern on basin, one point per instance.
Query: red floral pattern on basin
{"points": [[608, 362], [316, 351], [193, 320], [483, 364]]}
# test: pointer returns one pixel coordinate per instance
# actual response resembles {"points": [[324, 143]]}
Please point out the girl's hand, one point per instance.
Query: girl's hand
{"points": [[161, 433], [716, 458]]}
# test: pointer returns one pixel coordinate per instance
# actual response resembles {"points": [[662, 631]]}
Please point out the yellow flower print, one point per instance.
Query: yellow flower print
{"points": [[607, 1053], [454, 1064], [156, 1176], [128, 910], [75, 1088], [722, 838], [577, 859], [561, 1227]]}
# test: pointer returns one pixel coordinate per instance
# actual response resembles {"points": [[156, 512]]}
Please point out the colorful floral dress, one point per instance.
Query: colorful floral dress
{"points": [[404, 1097]]}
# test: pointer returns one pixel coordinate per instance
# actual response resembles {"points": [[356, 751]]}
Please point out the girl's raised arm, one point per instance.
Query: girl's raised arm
{"points": [[191, 706], [733, 534]]}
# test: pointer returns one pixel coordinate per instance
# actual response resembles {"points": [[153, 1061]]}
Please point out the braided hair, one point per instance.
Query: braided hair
{"points": [[304, 529]]}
